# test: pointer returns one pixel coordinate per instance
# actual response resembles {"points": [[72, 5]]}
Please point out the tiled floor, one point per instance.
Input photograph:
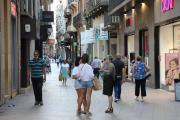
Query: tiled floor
{"points": [[60, 103]]}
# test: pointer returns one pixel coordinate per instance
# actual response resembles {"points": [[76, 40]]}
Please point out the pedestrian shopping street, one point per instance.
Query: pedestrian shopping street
{"points": [[60, 103]]}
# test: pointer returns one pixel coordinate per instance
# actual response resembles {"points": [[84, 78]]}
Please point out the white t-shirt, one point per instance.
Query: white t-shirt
{"points": [[57, 60], [85, 72], [75, 71], [65, 65]]}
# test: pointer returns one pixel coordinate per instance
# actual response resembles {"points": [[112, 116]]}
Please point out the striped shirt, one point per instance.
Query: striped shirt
{"points": [[36, 68]]}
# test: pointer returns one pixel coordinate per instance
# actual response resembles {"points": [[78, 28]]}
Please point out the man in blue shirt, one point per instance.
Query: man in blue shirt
{"points": [[37, 69]]}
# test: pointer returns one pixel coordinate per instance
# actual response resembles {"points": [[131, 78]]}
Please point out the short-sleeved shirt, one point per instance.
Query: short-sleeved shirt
{"points": [[139, 70], [65, 65], [36, 68], [96, 63], [75, 71]]}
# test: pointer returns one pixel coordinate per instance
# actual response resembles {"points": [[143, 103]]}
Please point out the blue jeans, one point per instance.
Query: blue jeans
{"points": [[117, 88], [37, 86]]}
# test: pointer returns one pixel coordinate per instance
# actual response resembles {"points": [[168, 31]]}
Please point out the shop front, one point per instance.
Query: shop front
{"points": [[167, 19], [129, 39]]}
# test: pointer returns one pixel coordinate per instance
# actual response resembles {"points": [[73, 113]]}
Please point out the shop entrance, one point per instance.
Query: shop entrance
{"points": [[14, 62], [113, 50], [144, 46]]}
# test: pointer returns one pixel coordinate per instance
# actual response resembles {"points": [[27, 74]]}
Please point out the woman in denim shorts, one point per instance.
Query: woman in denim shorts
{"points": [[85, 72], [78, 82]]}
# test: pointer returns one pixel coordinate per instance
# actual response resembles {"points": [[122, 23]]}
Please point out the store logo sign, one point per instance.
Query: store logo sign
{"points": [[13, 9], [129, 22], [167, 5]]}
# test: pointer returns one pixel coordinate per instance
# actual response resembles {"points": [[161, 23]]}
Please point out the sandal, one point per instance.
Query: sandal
{"points": [[109, 110]]}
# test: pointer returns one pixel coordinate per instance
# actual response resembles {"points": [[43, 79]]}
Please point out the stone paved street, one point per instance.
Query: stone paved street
{"points": [[60, 103]]}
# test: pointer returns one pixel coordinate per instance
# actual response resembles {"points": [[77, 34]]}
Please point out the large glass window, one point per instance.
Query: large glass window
{"points": [[177, 38]]}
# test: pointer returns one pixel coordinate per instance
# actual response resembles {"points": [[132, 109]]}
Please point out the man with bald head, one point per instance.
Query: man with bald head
{"points": [[119, 65]]}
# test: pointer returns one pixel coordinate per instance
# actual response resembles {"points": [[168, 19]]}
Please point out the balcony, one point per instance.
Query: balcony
{"points": [[26, 8], [110, 22], [67, 13], [96, 7], [78, 20]]}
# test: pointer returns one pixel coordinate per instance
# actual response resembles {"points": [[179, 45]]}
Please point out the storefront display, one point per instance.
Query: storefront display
{"points": [[171, 68]]}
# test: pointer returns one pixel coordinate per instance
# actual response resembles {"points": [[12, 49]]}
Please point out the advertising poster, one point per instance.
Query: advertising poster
{"points": [[83, 38], [103, 34], [171, 68], [92, 35], [97, 33]]}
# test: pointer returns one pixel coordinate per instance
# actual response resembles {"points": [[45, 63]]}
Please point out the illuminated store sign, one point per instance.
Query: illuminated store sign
{"points": [[13, 9], [167, 5], [129, 22]]}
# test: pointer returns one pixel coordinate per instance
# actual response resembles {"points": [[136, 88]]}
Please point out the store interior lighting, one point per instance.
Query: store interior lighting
{"points": [[142, 2]]}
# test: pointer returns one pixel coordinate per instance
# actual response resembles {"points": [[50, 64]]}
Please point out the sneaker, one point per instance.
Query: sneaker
{"points": [[115, 100], [36, 103], [136, 98], [62, 83], [41, 103], [88, 114], [65, 83], [142, 100], [119, 99]]}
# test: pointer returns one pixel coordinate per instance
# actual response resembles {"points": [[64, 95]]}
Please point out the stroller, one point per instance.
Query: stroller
{"points": [[48, 68]]}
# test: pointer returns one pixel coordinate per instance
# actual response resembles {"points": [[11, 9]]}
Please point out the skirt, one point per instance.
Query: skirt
{"points": [[64, 73], [108, 86]]}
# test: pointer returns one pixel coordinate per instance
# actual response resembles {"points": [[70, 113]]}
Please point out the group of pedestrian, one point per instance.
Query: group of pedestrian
{"points": [[112, 75], [83, 73]]}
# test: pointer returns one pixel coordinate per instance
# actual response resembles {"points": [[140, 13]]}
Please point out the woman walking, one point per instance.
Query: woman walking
{"points": [[108, 81], [139, 72], [85, 72], [78, 82], [64, 71]]}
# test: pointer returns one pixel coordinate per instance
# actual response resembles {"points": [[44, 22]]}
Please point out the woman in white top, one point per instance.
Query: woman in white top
{"points": [[85, 72], [64, 71], [78, 82]]}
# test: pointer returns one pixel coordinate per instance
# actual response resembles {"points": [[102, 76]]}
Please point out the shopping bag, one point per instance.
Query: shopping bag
{"points": [[97, 84], [60, 78]]}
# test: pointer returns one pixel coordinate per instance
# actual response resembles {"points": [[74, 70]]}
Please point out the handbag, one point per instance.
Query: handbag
{"points": [[60, 78], [97, 84]]}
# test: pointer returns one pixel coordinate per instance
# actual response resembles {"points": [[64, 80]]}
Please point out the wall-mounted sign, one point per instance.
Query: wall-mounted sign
{"points": [[48, 16], [51, 41], [75, 44], [167, 5], [103, 34], [92, 35], [13, 9], [129, 22]]}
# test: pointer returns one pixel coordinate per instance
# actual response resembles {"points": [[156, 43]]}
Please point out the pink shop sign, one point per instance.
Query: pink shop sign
{"points": [[167, 5]]}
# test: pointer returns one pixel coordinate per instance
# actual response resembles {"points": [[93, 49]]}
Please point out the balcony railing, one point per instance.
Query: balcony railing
{"points": [[77, 19], [93, 3], [70, 1], [114, 3], [107, 19], [110, 19]]}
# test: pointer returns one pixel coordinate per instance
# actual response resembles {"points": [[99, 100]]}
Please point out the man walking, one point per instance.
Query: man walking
{"points": [[37, 69], [70, 64], [96, 65], [119, 65]]}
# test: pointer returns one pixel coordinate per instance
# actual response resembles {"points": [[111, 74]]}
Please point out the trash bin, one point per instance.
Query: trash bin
{"points": [[177, 89]]}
